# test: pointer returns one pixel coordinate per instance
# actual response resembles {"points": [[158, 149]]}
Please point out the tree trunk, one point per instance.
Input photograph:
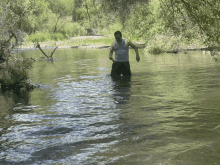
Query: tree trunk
{"points": [[87, 10], [55, 28]]}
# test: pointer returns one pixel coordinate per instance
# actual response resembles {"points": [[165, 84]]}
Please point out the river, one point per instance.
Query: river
{"points": [[167, 113]]}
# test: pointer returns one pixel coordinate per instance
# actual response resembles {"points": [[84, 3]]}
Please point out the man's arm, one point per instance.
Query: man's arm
{"points": [[111, 52], [136, 50]]}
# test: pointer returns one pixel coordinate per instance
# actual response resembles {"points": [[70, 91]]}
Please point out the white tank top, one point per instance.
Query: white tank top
{"points": [[121, 52]]}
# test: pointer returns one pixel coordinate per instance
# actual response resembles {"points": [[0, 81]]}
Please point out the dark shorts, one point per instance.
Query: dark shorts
{"points": [[119, 68]]}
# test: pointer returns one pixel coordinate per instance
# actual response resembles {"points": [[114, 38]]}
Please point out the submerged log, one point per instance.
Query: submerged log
{"points": [[51, 55], [185, 50], [172, 51]]}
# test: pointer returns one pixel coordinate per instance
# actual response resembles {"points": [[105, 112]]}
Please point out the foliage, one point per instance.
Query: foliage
{"points": [[164, 25], [140, 22], [161, 43], [120, 8], [16, 75], [41, 37], [12, 18], [205, 15], [11, 34], [61, 9], [38, 37], [110, 29], [179, 20], [70, 30], [38, 16]]}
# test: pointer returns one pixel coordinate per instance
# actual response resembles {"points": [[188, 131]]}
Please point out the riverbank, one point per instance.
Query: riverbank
{"points": [[98, 42], [82, 42]]}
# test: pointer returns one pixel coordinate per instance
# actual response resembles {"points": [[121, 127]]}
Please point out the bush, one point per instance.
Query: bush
{"points": [[73, 30], [161, 43], [167, 42], [70, 30], [57, 37], [111, 29], [155, 50], [42, 37], [16, 74], [38, 37]]}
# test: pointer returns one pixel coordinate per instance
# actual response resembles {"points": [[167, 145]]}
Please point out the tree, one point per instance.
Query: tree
{"points": [[204, 14], [39, 15], [61, 8], [11, 30], [76, 4], [121, 8], [11, 35]]}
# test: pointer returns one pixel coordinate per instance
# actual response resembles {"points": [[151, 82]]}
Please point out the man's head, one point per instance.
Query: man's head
{"points": [[118, 36]]}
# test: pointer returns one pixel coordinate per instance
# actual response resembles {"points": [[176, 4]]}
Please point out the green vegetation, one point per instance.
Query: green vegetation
{"points": [[181, 22], [161, 24], [68, 31], [16, 75], [164, 25]]}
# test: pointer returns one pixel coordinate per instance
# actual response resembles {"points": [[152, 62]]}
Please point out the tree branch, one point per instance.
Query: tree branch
{"points": [[55, 29], [62, 26], [87, 10], [38, 46], [53, 52]]}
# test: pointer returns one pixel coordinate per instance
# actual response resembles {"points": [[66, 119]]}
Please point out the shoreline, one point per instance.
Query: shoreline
{"points": [[81, 42], [84, 46], [105, 47], [92, 42]]}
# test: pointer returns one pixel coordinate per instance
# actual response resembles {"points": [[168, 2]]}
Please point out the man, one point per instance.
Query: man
{"points": [[121, 63]]}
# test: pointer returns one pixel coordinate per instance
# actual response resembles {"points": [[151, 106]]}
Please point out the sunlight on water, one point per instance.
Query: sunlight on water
{"points": [[166, 113]]}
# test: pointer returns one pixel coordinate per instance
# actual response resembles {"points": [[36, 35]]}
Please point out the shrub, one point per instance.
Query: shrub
{"points": [[57, 37], [111, 29], [155, 50], [72, 30], [160, 44], [42, 37], [38, 37], [16, 74]]}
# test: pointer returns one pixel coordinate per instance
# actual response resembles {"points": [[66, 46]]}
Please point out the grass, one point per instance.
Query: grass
{"points": [[43, 37], [73, 42], [162, 43], [106, 41]]}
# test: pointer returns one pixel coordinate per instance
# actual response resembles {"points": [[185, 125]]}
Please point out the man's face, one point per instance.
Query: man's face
{"points": [[118, 37]]}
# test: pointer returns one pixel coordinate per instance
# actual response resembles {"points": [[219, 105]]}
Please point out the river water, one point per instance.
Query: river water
{"points": [[167, 113]]}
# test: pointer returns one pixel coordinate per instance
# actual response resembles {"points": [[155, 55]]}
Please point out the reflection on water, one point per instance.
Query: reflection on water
{"points": [[167, 112]]}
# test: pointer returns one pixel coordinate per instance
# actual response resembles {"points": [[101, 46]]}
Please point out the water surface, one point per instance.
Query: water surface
{"points": [[167, 113]]}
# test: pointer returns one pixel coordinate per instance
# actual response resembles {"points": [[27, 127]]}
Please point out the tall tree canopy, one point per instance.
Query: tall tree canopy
{"points": [[204, 13]]}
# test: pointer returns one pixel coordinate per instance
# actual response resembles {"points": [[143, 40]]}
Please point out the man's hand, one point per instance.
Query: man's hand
{"points": [[112, 59], [135, 49], [137, 58]]}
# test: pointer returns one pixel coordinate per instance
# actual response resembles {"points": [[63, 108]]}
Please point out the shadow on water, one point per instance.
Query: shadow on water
{"points": [[17, 96], [121, 86]]}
